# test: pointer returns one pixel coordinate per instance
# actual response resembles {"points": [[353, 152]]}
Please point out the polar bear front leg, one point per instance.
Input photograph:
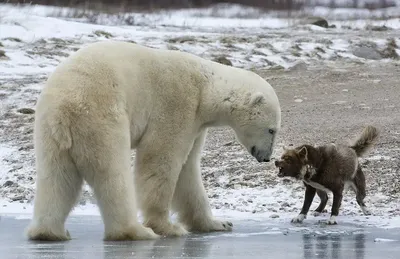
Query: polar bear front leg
{"points": [[190, 198], [156, 173]]}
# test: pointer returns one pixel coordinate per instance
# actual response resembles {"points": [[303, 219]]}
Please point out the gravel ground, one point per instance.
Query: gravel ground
{"points": [[331, 83], [320, 104]]}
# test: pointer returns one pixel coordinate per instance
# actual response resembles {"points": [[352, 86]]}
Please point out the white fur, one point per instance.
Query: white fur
{"points": [[307, 169], [332, 220], [299, 219], [365, 210], [317, 186], [111, 97]]}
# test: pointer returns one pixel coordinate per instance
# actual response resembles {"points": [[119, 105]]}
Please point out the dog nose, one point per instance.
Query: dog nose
{"points": [[276, 162]]}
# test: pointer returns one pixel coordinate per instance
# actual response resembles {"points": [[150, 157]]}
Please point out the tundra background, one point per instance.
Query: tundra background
{"points": [[331, 81]]}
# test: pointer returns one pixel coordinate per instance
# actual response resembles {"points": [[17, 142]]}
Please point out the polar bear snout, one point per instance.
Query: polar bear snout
{"points": [[260, 155]]}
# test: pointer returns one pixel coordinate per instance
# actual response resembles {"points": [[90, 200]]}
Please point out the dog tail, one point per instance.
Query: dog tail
{"points": [[365, 141]]}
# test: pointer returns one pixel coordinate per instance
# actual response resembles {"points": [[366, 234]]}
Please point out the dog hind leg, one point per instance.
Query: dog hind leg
{"points": [[359, 186]]}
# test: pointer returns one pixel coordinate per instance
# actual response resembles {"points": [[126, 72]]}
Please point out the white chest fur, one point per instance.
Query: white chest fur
{"points": [[317, 186]]}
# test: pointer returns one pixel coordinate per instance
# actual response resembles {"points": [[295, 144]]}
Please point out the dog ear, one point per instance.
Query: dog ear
{"points": [[303, 152]]}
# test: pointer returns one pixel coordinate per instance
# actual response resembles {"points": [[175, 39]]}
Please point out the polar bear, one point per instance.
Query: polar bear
{"points": [[111, 97]]}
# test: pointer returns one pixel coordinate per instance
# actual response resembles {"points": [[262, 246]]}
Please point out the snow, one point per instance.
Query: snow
{"points": [[35, 40], [384, 240]]}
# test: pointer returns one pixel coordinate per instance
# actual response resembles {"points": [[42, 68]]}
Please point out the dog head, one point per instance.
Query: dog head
{"points": [[292, 163]]}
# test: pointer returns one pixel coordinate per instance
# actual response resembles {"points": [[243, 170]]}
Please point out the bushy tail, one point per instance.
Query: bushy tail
{"points": [[365, 141]]}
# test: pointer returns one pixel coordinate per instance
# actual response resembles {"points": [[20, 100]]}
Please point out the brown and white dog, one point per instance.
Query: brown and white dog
{"points": [[328, 168]]}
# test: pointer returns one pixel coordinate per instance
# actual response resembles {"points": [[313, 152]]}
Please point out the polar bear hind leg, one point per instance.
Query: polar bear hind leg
{"points": [[58, 186], [109, 175], [99, 155], [190, 198]]}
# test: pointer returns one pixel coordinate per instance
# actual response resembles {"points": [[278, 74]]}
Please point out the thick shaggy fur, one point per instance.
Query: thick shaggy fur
{"points": [[111, 97], [328, 168]]}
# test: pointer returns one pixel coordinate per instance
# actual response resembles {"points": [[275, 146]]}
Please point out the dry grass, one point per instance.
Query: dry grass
{"points": [[13, 39], [390, 49], [100, 33], [3, 55]]}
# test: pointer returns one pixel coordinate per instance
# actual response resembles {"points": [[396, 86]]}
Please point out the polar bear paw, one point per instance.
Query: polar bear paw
{"points": [[167, 229], [136, 232], [218, 225], [37, 233], [211, 225]]}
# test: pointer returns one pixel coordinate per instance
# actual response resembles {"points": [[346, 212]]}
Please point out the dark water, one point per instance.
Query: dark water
{"points": [[250, 239]]}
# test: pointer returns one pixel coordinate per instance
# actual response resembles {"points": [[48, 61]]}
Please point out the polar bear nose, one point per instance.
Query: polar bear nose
{"points": [[267, 160]]}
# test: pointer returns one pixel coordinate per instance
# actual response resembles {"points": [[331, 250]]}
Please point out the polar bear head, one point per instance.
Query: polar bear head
{"points": [[256, 122]]}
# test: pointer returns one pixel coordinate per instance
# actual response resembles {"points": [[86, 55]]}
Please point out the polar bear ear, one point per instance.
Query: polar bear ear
{"points": [[257, 98]]}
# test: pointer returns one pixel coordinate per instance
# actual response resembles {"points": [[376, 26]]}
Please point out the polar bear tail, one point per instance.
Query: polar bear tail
{"points": [[60, 129]]}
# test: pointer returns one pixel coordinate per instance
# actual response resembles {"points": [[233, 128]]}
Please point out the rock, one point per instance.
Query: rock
{"points": [[172, 47], [299, 66], [182, 39], [315, 20], [230, 143], [26, 111], [223, 60], [8, 183], [277, 67], [377, 28], [367, 53], [274, 216], [285, 204], [17, 198], [3, 55]]}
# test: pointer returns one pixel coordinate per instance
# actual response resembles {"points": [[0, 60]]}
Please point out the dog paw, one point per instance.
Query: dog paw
{"points": [[299, 219], [366, 211], [332, 221]]}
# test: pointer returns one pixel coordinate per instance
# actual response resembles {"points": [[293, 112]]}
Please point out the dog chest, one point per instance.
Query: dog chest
{"points": [[316, 185]]}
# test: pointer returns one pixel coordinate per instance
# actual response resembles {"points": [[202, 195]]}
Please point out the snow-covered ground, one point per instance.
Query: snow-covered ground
{"points": [[34, 39]]}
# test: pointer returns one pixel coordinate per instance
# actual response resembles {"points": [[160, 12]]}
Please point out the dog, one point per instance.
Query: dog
{"points": [[328, 168]]}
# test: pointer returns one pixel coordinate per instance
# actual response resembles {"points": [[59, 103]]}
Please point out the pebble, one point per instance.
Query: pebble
{"points": [[8, 183]]}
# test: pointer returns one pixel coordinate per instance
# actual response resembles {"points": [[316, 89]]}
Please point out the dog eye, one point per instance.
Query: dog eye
{"points": [[271, 131]]}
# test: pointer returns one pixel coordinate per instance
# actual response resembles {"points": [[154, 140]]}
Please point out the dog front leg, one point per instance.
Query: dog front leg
{"points": [[308, 199], [337, 201], [324, 200]]}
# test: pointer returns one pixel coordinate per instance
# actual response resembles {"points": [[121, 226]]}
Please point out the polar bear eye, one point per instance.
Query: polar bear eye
{"points": [[271, 131]]}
